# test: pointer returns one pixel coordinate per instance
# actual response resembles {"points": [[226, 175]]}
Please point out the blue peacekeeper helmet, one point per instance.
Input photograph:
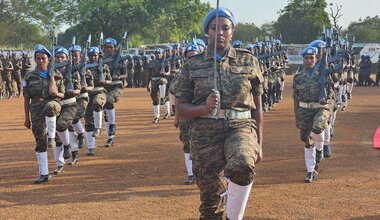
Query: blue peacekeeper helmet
{"points": [[191, 47], [223, 12], [249, 46], [200, 42], [168, 48], [158, 50], [76, 48], [237, 43], [309, 51], [39, 48], [61, 50], [93, 50], [277, 42], [110, 40], [317, 43]]}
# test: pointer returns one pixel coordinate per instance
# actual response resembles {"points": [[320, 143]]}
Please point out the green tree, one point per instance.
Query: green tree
{"points": [[301, 21], [367, 30], [247, 32]]}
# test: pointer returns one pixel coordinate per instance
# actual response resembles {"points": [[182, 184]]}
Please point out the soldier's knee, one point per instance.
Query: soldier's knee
{"points": [[240, 170], [109, 105], [97, 107]]}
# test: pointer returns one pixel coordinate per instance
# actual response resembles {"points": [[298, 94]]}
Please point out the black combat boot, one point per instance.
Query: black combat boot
{"points": [[109, 142], [80, 141], [42, 179], [66, 152], [74, 158]]}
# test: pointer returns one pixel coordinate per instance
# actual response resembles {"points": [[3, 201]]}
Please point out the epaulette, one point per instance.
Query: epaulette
{"points": [[243, 50]]}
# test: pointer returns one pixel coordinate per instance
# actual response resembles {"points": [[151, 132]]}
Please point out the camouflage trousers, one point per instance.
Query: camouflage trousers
{"points": [[113, 96], [16, 76], [184, 128], [154, 89], [221, 148], [66, 116], [81, 109], [96, 103], [47, 108], [312, 120], [130, 77], [7, 82]]}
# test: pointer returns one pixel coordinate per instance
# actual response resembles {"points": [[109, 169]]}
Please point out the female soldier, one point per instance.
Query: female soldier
{"points": [[98, 96], [191, 49], [228, 143], [311, 116], [41, 95]]}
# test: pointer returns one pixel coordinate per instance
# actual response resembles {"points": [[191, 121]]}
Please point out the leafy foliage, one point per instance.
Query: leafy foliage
{"points": [[367, 30]]}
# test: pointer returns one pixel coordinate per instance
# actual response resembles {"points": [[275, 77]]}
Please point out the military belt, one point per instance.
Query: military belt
{"points": [[156, 78], [68, 101], [83, 95], [98, 89], [116, 82], [310, 105], [229, 114]]}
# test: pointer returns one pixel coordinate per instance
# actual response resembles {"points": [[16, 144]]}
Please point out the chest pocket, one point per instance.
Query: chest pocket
{"points": [[240, 77]]}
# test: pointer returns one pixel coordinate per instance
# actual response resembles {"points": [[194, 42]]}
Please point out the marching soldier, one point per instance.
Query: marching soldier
{"points": [[16, 74], [146, 60], [130, 71], [41, 98], [26, 64], [6, 75], [159, 69], [137, 77]]}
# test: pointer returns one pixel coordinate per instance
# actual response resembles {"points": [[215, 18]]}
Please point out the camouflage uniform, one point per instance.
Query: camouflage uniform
{"points": [[137, 77], [16, 74], [222, 147], [83, 98], [115, 90], [145, 71], [156, 78], [306, 89], [130, 71], [42, 104], [6, 76], [26, 65]]}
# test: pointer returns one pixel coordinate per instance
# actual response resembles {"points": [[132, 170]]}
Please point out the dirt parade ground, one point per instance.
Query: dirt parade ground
{"points": [[142, 175]]}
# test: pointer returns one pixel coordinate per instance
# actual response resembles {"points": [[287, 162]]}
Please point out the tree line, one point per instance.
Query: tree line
{"points": [[25, 23]]}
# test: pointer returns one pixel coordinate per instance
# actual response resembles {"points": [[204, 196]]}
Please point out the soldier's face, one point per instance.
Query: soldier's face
{"points": [[320, 53], [158, 56], [42, 61], [60, 57], [93, 57], [76, 56], [109, 49], [309, 61], [169, 53], [224, 35]]}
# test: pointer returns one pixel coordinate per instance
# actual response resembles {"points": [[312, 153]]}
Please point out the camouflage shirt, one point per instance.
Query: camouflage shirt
{"points": [[306, 88], [35, 86], [96, 75], [156, 65], [239, 79]]}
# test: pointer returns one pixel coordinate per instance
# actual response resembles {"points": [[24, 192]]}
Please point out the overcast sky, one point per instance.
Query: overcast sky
{"points": [[262, 11]]}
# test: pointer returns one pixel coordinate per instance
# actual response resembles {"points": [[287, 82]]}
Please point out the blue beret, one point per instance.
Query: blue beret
{"points": [[223, 12], [309, 51], [249, 46], [168, 47], [93, 50], [76, 48], [277, 42], [110, 41], [191, 47], [158, 50], [61, 50], [237, 43], [39, 48], [200, 42], [317, 43]]}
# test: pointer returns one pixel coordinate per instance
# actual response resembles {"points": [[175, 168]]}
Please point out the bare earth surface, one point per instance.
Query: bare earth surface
{"points": [[142, 175]]}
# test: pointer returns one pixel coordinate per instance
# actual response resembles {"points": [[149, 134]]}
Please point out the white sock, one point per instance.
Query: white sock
{"points": [[90, 140], [73, 141], [327, 135], [189, 164], [318, 140], [156, 110], [98, 119], [51, 126], [58, 156], [310, 159], [333, 117], [162, 89], [78, 127], [282, 86], [237, 198], [64, 136], [43, 163], [349, 87], [167, 107], [111, 116], [340, 92]]}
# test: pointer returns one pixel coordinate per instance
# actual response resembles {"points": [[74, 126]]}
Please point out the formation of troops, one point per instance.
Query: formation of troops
{"points": [[84, 83]]}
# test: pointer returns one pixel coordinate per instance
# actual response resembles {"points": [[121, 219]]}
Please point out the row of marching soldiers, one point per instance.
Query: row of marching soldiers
{"points": [[65, 87], [13, 68], [272, 60]]}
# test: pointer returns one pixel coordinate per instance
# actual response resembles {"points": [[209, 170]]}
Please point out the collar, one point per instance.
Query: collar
{"points": [[231, 53]]}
